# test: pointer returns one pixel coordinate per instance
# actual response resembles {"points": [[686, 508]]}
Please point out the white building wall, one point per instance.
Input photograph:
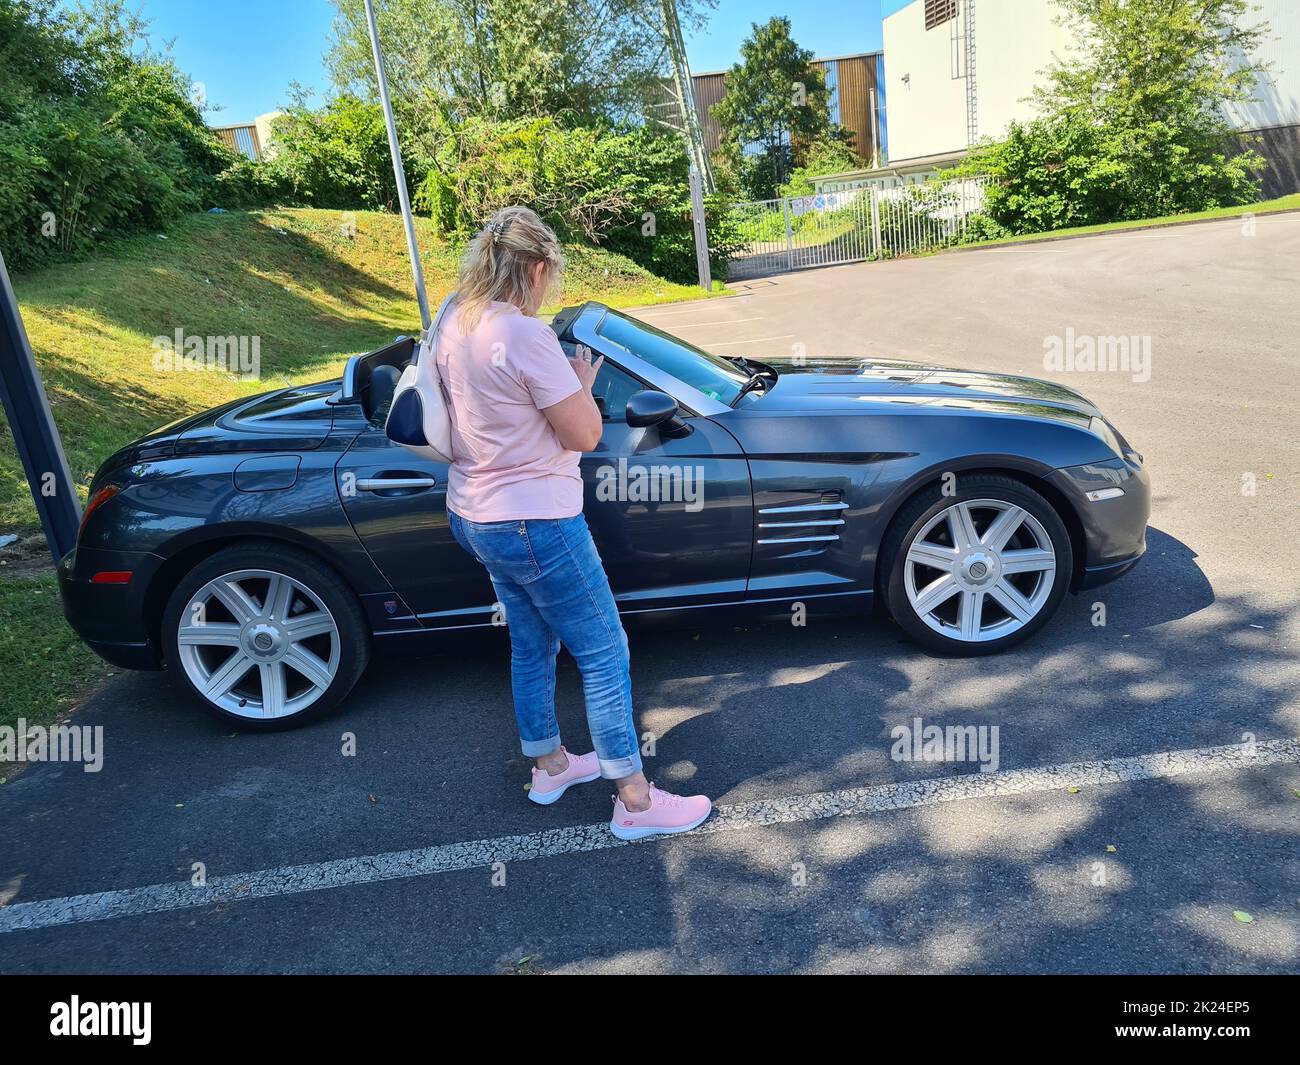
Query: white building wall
{"points": [[925, 106], [1278, 92], [263, 124], [1016, 41]]}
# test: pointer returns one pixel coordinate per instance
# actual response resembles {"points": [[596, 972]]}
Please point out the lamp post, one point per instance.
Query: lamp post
{"points": [[404, 200], [35, 434]]}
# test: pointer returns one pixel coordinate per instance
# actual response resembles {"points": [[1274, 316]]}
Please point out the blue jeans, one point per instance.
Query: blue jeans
{"points": [[550, 581]]}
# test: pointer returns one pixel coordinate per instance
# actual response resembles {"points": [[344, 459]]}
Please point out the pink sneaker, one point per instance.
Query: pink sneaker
{"points": [[668, 814], [546, 788]]}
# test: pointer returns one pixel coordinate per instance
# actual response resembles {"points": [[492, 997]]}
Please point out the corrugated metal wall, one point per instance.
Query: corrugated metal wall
{"points": [[857, 80], [708, 91], [241, 139]]}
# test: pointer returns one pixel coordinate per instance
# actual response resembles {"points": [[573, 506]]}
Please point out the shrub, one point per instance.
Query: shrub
{"points": [[829, 156], [1056, 172], [97, 136], [625, 188], [335, 157]]}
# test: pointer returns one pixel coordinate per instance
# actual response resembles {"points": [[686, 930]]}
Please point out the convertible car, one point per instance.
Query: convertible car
{"points": [[263, 549]]}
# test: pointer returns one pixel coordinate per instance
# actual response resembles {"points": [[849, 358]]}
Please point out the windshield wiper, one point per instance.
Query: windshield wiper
{"points": [[759, 373], [755, 379]]}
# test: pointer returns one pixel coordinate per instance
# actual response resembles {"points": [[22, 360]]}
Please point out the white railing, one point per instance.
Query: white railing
{"points": [[850, 226]]}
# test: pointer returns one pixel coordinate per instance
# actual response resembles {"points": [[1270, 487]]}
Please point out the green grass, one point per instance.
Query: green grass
{"points": [[46, 670], [293, 277], [1283, 203]]}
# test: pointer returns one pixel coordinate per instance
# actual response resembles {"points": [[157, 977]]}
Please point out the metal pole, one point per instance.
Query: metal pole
{"points": [[701, 231], [875, 221], [36, 437], [417, 269], [875, 131], [789, 233]]}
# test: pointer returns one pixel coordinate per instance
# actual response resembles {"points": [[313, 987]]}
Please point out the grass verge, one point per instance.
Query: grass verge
{"points": [[1283, 203]]}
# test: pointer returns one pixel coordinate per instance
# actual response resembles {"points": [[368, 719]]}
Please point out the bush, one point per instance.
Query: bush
{"points": [[246, 183], [335, 157], [830, 156], [1057, 172], [97, 137], [624, 188], [980, 227]]}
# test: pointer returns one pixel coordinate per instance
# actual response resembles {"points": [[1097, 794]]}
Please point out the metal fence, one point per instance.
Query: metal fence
{"points": [[843, 227]]}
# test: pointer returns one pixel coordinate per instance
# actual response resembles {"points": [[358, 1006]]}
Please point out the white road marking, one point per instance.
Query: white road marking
{"points": [[403, 865], [644, 312], [721, 321], [760, 340]]}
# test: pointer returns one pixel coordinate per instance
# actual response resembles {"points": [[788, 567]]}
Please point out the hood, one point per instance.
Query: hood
{"points": [[862, 384]]}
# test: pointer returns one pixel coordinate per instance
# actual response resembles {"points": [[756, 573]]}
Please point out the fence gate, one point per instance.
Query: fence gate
{"points": [[774, 236]]}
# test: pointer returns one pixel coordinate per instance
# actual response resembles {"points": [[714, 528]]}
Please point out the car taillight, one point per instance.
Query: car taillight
{"points": [[112, 576], [94, 503]]}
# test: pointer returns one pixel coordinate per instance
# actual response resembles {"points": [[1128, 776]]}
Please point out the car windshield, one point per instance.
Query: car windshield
{"points": [[711, 374]]}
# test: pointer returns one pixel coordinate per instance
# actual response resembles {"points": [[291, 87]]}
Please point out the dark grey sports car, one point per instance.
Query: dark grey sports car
{"points": [[263, 549]]}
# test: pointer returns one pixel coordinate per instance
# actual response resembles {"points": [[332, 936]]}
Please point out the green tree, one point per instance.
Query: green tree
{"points": [[98, 133], [775, 100], [335, 156], [450, 60], [1133, 124]]}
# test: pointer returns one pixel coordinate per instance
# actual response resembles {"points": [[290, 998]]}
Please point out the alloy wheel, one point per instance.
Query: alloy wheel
{"points": [[979, 570], [259, 644]]}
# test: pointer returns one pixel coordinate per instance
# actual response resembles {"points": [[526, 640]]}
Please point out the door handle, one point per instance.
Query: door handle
{"points": [[380, 484]]}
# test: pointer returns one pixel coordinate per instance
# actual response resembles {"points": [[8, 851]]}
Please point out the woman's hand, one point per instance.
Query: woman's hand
{"points": [[576, 420], [585, 368]]}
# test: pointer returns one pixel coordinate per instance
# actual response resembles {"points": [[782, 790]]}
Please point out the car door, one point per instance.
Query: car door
{"points": [[671, 515], [397, 502]]}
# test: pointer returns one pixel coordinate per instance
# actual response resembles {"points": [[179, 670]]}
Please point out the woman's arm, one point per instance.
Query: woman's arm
{"points": [[576, 420]]}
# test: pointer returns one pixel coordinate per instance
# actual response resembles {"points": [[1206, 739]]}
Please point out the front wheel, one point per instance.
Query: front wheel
{"points": [[979, 570], [266, 636]]}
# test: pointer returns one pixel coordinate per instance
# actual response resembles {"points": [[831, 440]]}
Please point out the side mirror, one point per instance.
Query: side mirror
{"points": [[650, 409]]}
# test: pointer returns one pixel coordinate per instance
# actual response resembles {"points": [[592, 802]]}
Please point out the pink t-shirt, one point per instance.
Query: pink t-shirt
{"points": [[509, 464]]}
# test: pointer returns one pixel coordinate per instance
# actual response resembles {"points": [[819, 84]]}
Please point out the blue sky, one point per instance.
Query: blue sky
{"points": [[247, 52]]}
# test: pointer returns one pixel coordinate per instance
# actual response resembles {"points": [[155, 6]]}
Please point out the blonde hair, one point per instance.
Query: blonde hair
{"points": [[499, 260]]}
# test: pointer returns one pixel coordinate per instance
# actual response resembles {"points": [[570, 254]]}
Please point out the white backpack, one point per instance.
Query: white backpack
{"points": [[418, 417]]}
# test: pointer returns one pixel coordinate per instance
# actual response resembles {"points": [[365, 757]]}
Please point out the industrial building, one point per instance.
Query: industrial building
{"points": [[958, 71]]}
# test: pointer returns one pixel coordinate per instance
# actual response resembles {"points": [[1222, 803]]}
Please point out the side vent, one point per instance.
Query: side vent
{"points": [[819, 522]]}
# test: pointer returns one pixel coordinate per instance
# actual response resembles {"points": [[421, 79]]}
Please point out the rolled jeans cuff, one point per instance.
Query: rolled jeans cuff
{"points": [[538, 748], [618, 768]]}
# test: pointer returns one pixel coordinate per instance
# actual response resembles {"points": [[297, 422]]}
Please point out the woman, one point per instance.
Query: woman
{"points": [[521, 414]]}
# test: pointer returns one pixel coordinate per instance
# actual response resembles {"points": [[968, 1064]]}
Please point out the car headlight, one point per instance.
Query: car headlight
{"points": [[1100, 427], [1115, 441]]}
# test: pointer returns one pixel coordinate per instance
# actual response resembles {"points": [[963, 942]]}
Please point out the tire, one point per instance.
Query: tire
{"points": [[293, 620], [951, 586]]}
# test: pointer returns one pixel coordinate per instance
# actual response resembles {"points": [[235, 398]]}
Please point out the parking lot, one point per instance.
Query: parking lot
{"points": [[1148, 783]]}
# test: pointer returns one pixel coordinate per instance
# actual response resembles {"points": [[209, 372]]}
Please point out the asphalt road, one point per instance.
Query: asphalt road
{"points": [[421, 853]]}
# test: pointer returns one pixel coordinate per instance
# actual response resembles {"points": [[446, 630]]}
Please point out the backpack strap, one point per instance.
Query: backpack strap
{"points": [[427, 337]]}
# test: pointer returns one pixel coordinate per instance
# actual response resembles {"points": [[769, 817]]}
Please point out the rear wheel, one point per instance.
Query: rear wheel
{"points": [[977, 571], [266, 636]]}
